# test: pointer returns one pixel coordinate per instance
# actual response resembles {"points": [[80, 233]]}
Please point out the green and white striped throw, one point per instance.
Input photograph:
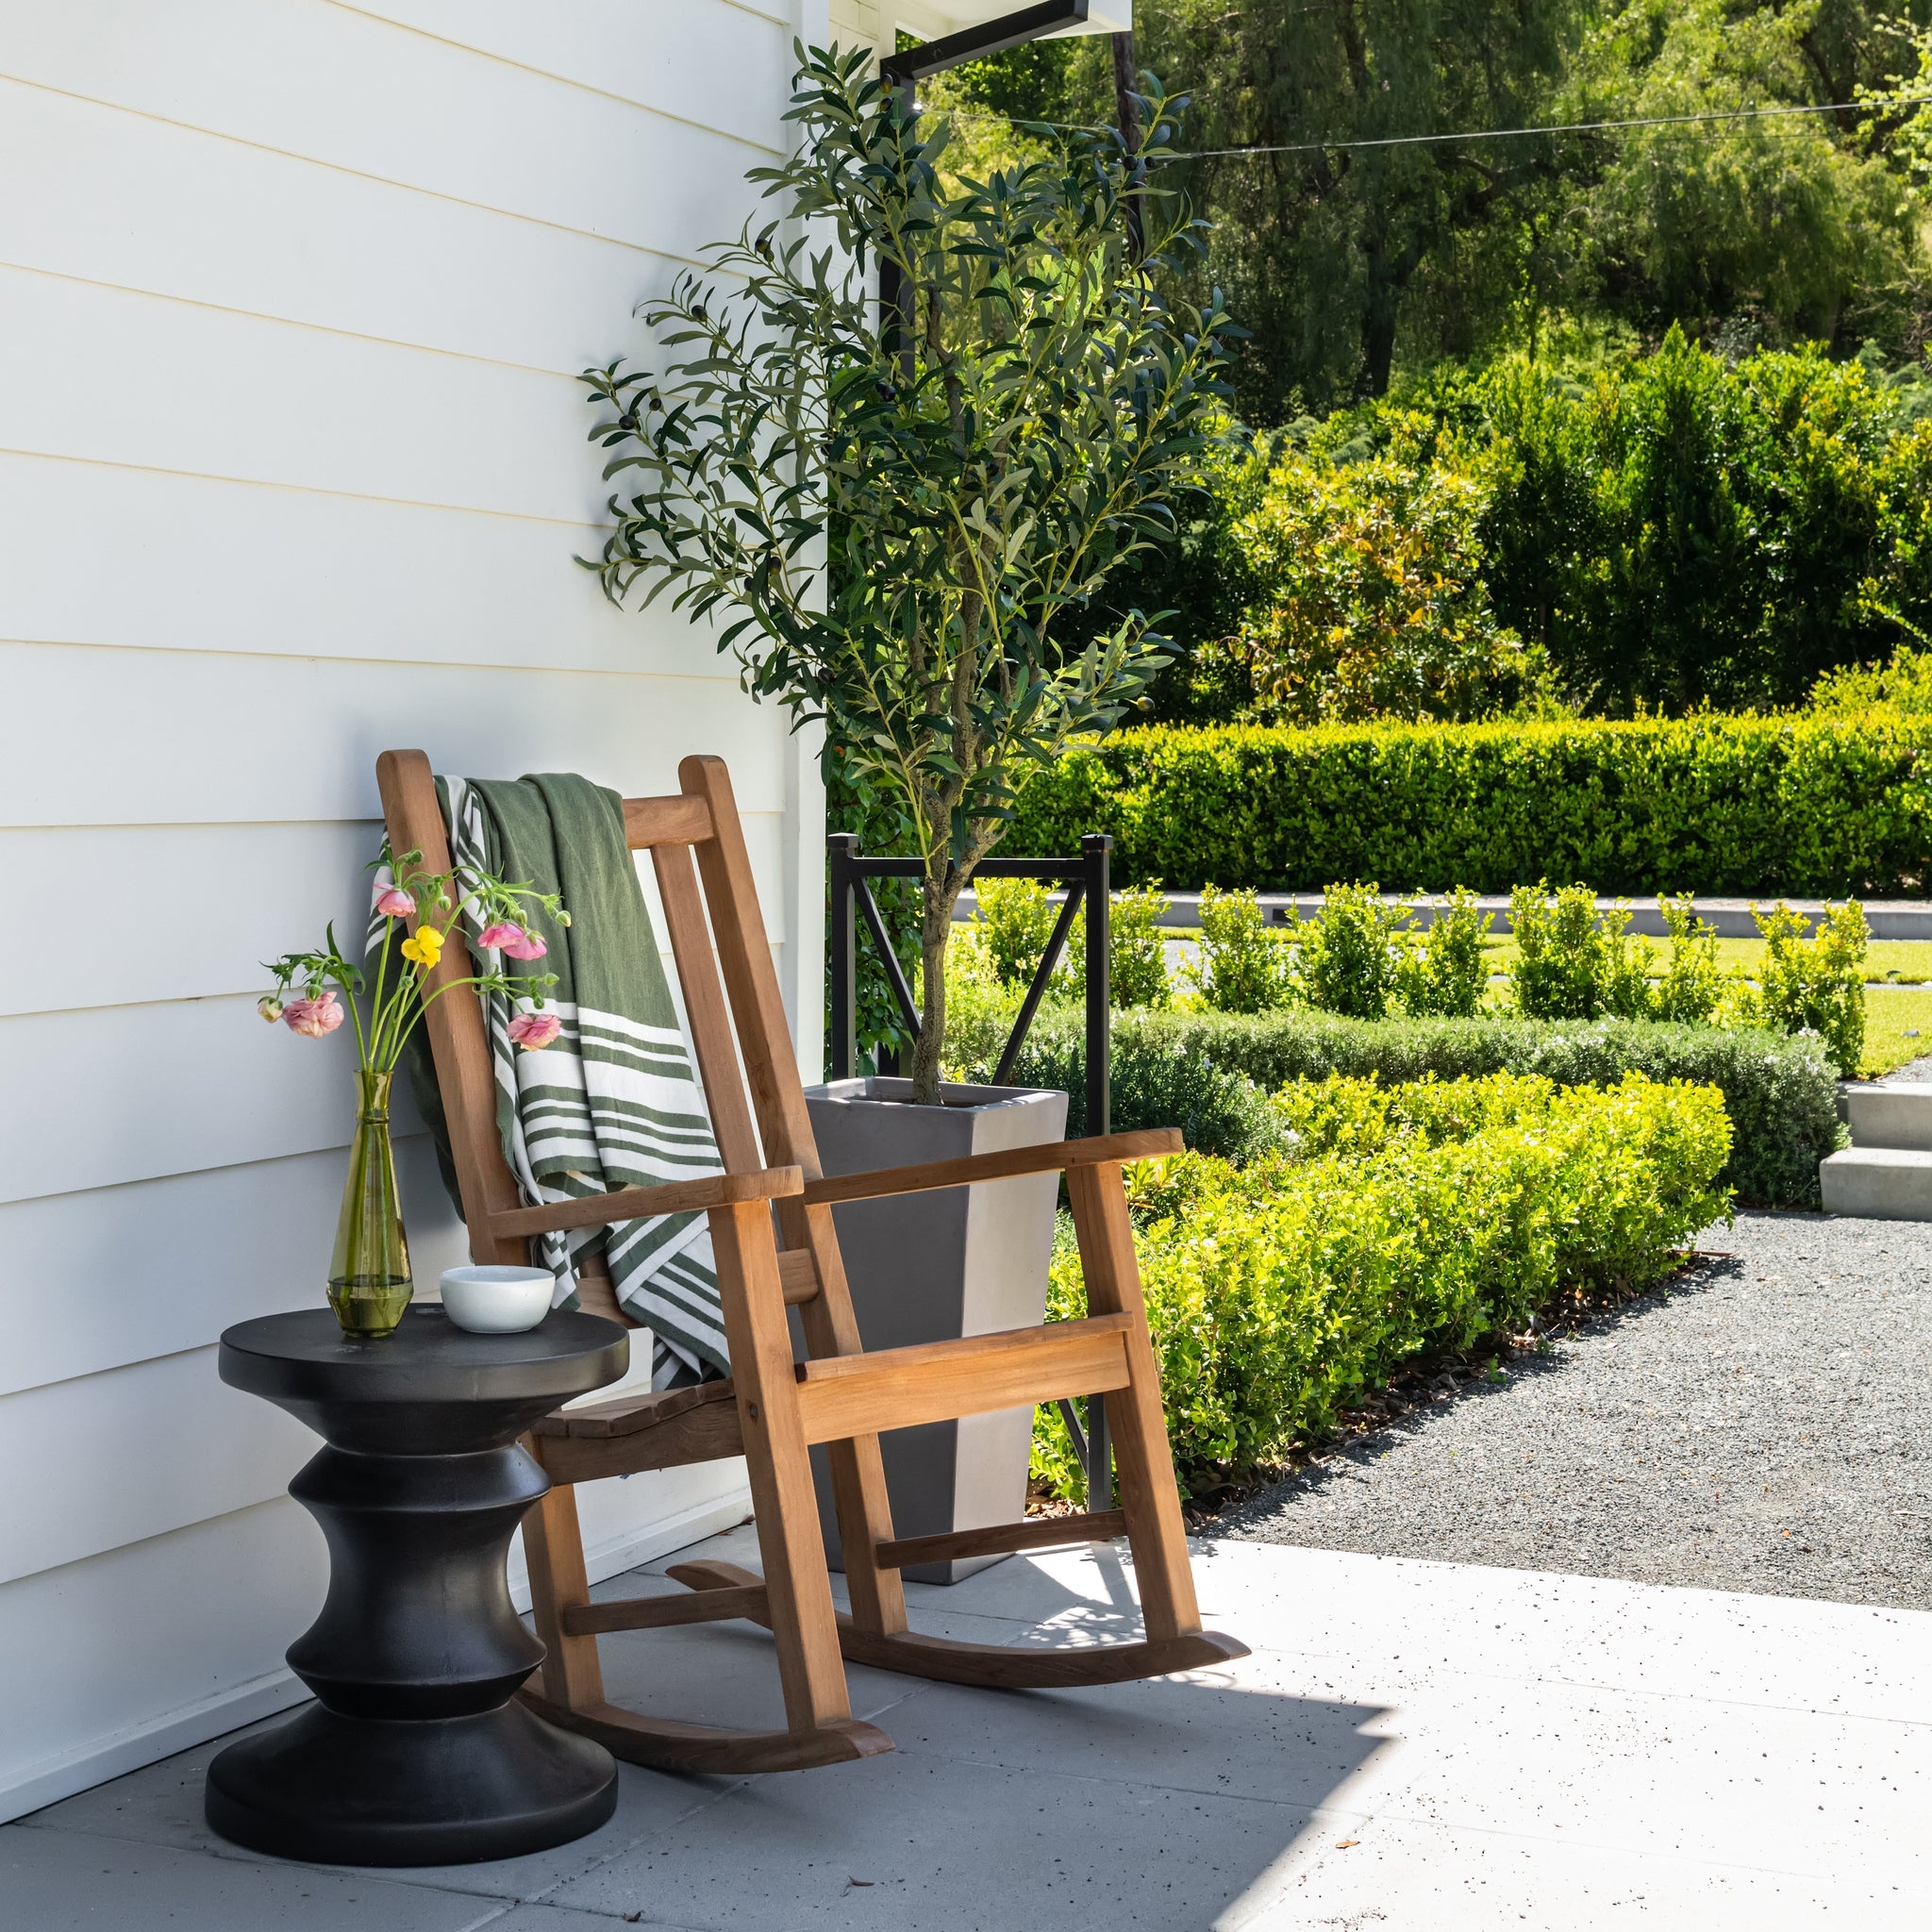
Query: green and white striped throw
{"points": [[612, 1101]]}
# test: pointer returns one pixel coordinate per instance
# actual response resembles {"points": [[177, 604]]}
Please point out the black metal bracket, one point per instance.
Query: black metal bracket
{"points": [[904, 71], [1088, 882], [913, 64]]}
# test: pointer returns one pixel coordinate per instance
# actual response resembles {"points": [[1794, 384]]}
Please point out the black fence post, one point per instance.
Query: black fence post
{"points": [[1096, 850], [841, 848]]}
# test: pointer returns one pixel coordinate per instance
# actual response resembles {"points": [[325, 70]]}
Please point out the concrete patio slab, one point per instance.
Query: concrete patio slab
{"points": [[1394, 1876], [161, 1806], [1413, 1745], [59, 1879], [941, 1844]]}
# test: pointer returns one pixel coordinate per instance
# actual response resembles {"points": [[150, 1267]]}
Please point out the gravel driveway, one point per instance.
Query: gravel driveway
{"points": [[1762, 1426]]}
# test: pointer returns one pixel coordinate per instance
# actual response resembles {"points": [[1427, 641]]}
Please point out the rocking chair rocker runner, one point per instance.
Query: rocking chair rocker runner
{"points": [[772, 1410]]}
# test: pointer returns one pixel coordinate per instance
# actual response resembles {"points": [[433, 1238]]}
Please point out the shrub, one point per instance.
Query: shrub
{"points": [[1280, 1293], [1904, 683], [1781, 1093], [1815, 805], [1016, 918], [1693, 983], [1445, 972], [1572, 964], [1350, 956], [1369, 598], [1155, 1082], [1817, 986], [1243, 968], [1137, 952]]}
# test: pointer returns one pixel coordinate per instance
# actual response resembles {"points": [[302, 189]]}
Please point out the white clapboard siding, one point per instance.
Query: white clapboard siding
{"points": [[133, 1092], [133, 1655], [331, 85], [460, 279], [224, 394], [142, 1450], [221, 899], [294, 299], [97, 1280], [718, 66], [124, 737], [206, 904], [205, 564], [129, 1093]]}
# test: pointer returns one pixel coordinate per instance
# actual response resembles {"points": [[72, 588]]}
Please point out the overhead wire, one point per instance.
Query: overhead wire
{"points": [[1307, 147], [1561, 127]]}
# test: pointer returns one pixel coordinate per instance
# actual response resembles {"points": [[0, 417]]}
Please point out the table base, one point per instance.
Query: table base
{"points": [[355, 1791]]}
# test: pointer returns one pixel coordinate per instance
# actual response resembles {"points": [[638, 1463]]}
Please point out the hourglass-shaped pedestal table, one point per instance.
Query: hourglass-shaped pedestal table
{"points": [[414, 1752]]}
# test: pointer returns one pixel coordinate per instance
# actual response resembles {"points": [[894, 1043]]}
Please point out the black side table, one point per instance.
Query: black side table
{"points": [[415, 1753]]}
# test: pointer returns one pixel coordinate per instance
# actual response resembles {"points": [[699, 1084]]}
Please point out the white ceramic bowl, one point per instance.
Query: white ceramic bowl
{"points": [[497, 1299]]}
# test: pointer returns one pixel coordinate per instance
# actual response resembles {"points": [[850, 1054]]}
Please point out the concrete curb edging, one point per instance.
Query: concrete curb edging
{"points": [[1888, 919]]}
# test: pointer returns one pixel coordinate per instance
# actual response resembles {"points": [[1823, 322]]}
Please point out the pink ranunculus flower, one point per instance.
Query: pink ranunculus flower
{"points": [[533, 1030], [314, 1018], [392, 902], [268, 1008], [512, 940]]}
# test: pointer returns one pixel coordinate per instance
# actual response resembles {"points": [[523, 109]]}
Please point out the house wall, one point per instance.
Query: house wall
{"points": [[293, 295]]}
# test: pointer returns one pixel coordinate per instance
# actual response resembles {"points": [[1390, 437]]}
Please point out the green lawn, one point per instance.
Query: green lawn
{"points": [[1886, 960], [1894, 962], [1889, 1017]]}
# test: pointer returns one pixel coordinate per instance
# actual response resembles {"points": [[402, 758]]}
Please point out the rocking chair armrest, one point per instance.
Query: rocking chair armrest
{"points": [[1149, 1144], [633, 1204]]}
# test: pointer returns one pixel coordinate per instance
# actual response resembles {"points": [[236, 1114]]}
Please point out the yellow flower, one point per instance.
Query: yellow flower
{"points": [[424, 947]]}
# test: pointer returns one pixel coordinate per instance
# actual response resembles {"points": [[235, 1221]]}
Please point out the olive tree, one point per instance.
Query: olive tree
{"points": [[898, 511]]}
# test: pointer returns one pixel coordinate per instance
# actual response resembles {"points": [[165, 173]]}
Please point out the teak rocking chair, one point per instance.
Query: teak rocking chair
{"points": [[771, 1409]]}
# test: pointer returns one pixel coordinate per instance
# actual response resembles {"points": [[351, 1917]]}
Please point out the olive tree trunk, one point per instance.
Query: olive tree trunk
{"points": [[940, 894]]}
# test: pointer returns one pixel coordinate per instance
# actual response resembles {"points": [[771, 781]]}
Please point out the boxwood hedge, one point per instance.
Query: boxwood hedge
{"points": [[1280, 1291], [1799, 803], [1198, 1072]]}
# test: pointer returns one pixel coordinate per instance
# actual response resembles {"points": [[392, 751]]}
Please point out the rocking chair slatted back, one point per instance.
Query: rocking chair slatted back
{"points": [[458, 1039], [771, 1408]]}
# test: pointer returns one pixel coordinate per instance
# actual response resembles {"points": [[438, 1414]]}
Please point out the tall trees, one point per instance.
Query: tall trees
{"points": [[1321, 247], [1348, 260], [1791, 225]]}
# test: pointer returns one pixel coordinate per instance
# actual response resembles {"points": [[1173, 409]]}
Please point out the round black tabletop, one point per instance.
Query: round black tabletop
{"points": [[429, 1389]]}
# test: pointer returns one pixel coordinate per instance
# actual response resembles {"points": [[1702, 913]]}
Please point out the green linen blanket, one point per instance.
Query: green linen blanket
{"points": [[612, 1101]]}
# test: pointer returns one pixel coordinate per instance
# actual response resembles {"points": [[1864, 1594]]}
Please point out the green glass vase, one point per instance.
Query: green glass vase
{"points": [[368, 1284]]}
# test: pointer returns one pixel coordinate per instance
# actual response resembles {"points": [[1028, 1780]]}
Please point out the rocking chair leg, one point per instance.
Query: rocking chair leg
{"points": [[1148, 1494], [799, 1592], [554, 1547], [859, 1473], [1149, 1500]]}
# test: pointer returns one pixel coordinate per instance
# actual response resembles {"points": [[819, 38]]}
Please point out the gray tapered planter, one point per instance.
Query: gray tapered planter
{"points": [[930, 1267]]}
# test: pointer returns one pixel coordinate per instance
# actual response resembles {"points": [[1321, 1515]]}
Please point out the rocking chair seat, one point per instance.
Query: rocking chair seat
{"points": [[651, 1429], [627, 1415]]}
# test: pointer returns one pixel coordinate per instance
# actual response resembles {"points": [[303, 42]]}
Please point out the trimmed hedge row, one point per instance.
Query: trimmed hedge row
{"points": [[1200, 1071], [1751, 806], [1280, 1293]]}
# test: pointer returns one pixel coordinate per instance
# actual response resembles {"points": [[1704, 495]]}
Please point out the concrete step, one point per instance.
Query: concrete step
{"points": [[1882, 1183], [1890, 1113]]}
